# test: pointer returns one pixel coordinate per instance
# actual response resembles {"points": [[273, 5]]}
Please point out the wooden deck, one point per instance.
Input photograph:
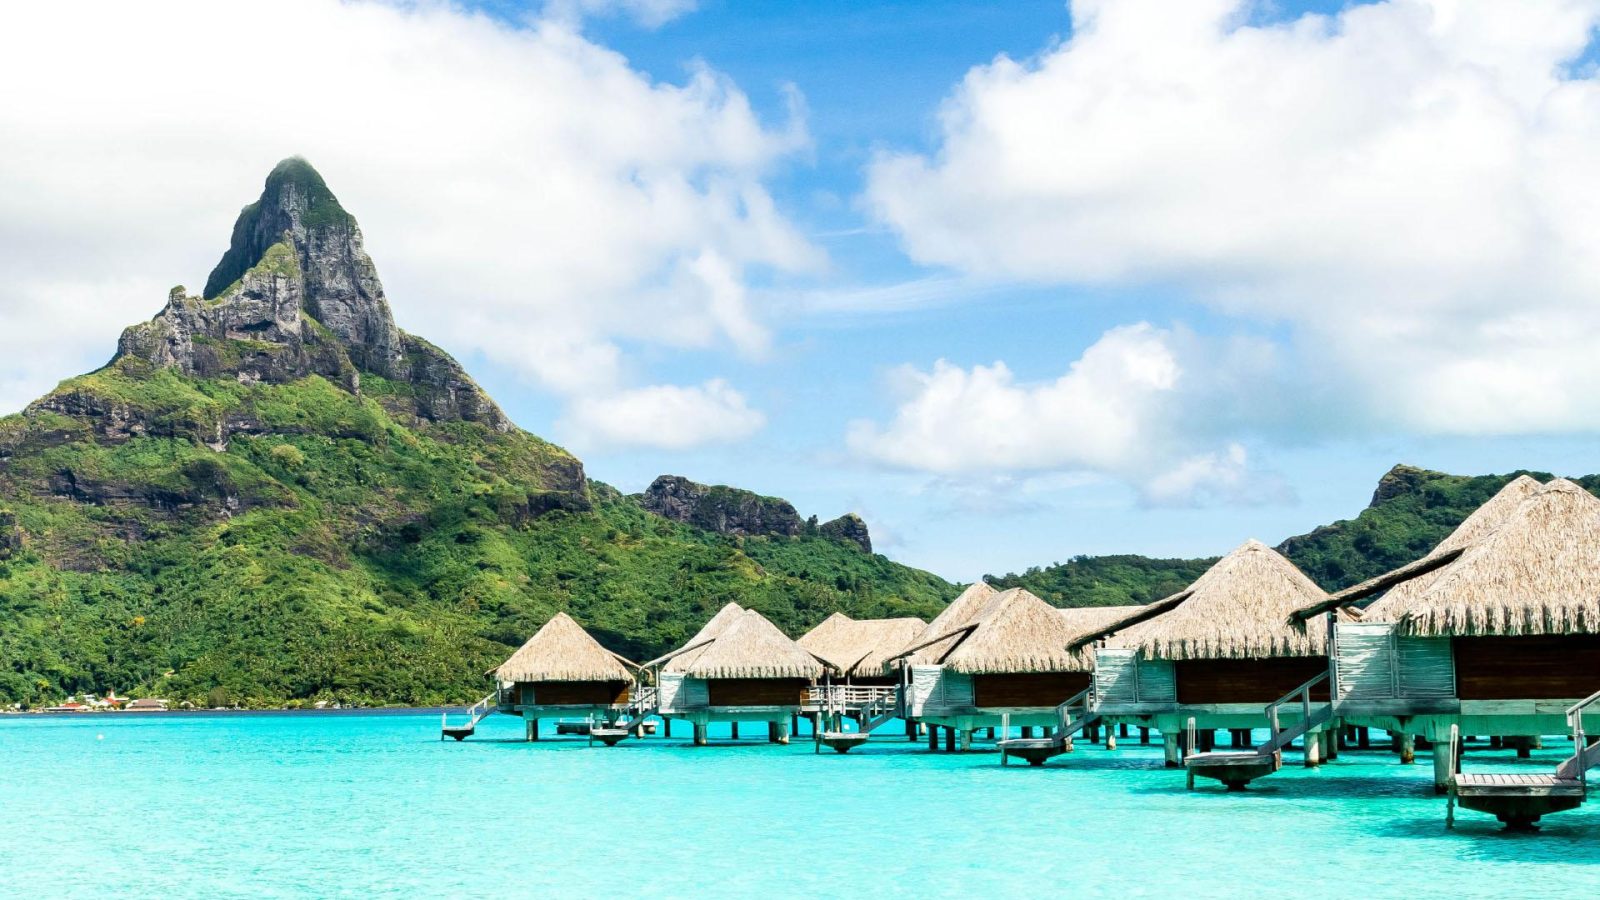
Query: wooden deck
{"points": [[1510, 783]]}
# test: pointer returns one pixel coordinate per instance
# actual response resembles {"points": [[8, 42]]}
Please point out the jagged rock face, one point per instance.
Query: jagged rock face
{"points": [[297, 295], [719, 508], [1400, 480], [342, 290], [850, 529]]}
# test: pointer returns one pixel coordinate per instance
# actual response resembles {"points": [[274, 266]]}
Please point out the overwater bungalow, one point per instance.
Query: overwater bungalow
{"points": [[994, 658], [860, 649], [861, 686], [738, 668], [1215, 655], [1383, 678], [563, 672], [1498, 636]]}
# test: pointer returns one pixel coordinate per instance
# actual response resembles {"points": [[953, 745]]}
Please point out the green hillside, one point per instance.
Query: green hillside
{"points": [[274, 494]]}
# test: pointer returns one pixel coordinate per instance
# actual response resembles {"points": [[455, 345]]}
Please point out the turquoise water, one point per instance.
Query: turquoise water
{"points": [[376, 805]]}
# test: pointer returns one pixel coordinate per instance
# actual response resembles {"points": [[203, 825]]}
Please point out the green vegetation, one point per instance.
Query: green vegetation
{"points": [[1106, 580], [337, 554]]}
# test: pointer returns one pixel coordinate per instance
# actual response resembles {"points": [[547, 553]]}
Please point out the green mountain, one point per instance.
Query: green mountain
{"points": [[1411, 511], [272, 493]]}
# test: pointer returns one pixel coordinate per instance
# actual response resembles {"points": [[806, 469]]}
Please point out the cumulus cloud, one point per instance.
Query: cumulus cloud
{"points": [[1409, 186], [649, 13], [1119, 409], [525, 193], [668, 416]]}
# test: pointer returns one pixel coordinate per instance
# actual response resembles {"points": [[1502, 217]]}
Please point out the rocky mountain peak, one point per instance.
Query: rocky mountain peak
{"points": [[296, 210], [296, 295], [730, 510]]}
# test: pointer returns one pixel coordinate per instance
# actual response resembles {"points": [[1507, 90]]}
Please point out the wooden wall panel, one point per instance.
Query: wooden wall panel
{"points": [[756, 691], [1532, 667], [1030, 689], [573, 693], [1248, 680]]}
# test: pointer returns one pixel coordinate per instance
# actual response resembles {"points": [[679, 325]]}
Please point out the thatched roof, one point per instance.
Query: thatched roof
{"points": [[562, 651], [860, 647], [1483, 521], [1090, 620], [958, 615], [684, 657], [1537, 573], [1238, 609], [1017, 632], [749, 646]]}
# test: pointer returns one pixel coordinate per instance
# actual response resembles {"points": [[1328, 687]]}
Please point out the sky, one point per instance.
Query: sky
{"points": [[1015, 282]]}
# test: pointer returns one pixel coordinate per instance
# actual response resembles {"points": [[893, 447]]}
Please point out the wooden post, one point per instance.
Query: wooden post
{"points": [[1111, 738], [700, 734], [1408, 749], [949, 739], [1173, 753], [966, 739], [735, 725], [1144, 734], [794, 727], [533, 729], [911, 730], [1330, 745], [1122, 730], [933, 738], [1524, 747], [1311, 741], [780, 732], [1027, 731]]}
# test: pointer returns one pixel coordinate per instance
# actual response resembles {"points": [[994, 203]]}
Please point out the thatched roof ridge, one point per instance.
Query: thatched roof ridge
{"points": [[1090, 620], [1017, 632], [1238, 609], [719, 623], [562, 651], [860, 647], [961, 613], [1474, 528], [1537, 573], [752, 647]]}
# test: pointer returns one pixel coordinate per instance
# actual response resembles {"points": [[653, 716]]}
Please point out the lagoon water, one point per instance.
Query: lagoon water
{"points": [[359, 805]]}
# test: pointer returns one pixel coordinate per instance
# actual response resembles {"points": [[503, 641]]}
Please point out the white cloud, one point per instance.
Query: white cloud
{"points": [[1120, 409], [667, 416], [1409, 185], [524, 192]]}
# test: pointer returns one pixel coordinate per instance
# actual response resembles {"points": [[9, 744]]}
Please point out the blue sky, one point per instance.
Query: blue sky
{"points": [[1011, 291]]}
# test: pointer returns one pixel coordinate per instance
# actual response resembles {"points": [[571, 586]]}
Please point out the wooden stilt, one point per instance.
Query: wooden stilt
{"points": [[949, 739], [1144, 735], [1122, 730], [1312, 745], [735, 726], [1524, 747], [1364, 738], [533, 729], [1173, 753], [700, 734], [1111, 738], [780, 732], [1330, 744], [1408, 749]]}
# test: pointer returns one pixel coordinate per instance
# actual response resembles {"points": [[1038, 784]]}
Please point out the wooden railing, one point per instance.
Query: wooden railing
{"points": [[1281, 737], [1083, 700]]}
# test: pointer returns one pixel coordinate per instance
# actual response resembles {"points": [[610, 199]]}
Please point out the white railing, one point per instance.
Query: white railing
{"points": [[475, 713], [1580, 740], [846, 697]]}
